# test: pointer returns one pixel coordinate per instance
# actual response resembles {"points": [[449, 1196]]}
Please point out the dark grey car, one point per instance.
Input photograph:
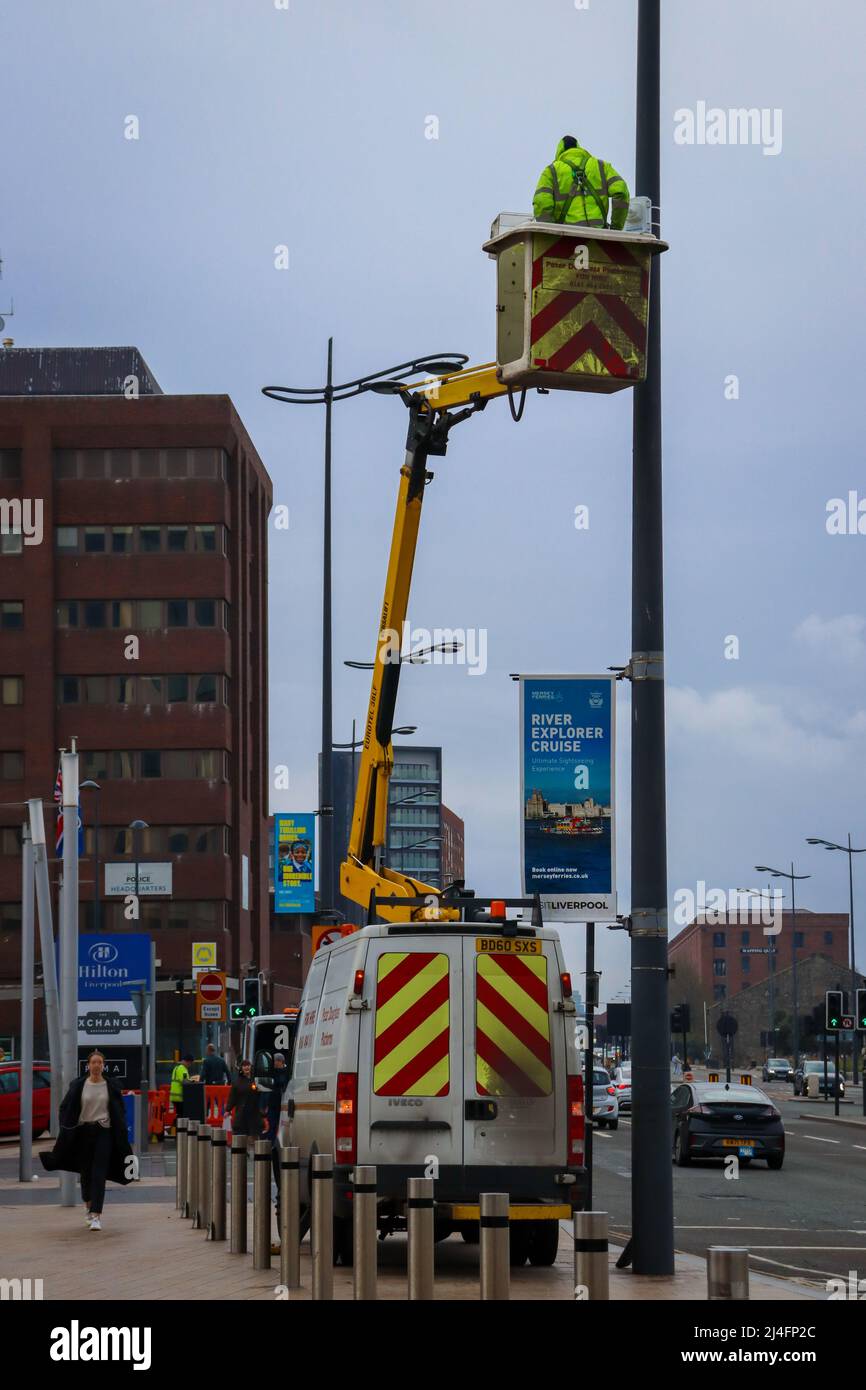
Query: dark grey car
{"points": [[716, 1120]]}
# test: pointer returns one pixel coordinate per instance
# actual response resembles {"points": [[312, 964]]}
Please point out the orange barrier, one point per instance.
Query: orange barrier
{"points": [[157, 1105], [215, 1098]]}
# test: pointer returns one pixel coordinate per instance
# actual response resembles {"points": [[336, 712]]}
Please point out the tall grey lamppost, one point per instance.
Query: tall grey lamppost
{"points": [[792, 878], [94, 786], [850, 851], [432, 363], [136, 826]]}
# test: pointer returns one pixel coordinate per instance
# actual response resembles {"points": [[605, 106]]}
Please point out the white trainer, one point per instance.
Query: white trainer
{"points": [[95, 1223]]}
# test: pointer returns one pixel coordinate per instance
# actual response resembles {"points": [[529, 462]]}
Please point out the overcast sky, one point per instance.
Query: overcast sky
{"points": [[261, 126]]}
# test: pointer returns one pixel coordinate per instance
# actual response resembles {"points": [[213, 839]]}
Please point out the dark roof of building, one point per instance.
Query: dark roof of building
{"points": [[74, 371]]}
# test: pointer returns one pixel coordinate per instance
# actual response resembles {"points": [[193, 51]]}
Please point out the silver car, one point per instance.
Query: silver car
{"points": [[622, 1083], [605, 1106]]}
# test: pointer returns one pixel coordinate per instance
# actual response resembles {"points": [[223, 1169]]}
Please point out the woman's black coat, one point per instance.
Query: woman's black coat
{"points": [[68, 1153], [245, 1099]]}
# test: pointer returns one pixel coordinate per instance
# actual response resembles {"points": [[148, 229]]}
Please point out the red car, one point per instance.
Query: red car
{"points": [[10, 1098]]}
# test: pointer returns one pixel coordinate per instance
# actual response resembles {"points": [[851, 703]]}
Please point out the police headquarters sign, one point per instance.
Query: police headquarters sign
{"points": [[567, 795]]}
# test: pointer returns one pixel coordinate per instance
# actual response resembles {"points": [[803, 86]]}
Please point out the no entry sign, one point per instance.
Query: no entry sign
{"points": [[210, 996]]}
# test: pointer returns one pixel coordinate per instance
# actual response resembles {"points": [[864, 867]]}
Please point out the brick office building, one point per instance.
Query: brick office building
{"points": [[154, 527], [723, 954]]}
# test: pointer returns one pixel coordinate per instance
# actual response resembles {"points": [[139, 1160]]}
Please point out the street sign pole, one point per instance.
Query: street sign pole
{"points": [[28, 951], [69, 944], [836, 1079]]}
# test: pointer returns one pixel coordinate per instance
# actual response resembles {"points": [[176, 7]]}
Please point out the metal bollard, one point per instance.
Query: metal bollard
{"points": [[218, 1185], [238, 1242], [262, 1204], [591, 1267], [203, 1146], [290, 1219], [727, 1273], [494, 1239], [192, 1171], [180, 1167], [364, 1232], [419, 1219], [322, 1228]]}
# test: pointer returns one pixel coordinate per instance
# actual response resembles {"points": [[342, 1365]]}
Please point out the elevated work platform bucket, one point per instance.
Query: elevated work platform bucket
{"points": [[571, 304]]}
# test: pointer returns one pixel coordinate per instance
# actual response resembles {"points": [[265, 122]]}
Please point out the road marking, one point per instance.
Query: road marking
{"points": [[858, 1146], [599, 1134], [837, 1249], [819, 1138], [800, 1269], [621, 1173]]}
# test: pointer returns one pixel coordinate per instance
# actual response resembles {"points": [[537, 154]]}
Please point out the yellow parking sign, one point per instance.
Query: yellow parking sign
{"points": [[204, 954]]}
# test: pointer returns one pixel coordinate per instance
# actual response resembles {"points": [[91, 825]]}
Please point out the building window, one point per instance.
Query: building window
{"points": [[121, 540], [66, 537], [141, 463], [10, 839], [10, 918], [799, 938], [11, 614], [177, 612], [719, 992], [94, 611], [205, 538], [11, 767], [176, 764], [12, 690], [142, 690], [828, 938], [720, 967], [176, 539], [746, 964], [718, 938], [205, 690], [94, 540], [744, 938], [146, 614], [10, 464], [11, 542], [149, 538], [205, 612]]}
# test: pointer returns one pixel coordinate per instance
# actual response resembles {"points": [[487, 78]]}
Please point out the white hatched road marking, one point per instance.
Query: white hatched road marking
{"points": [[819, 1138]]}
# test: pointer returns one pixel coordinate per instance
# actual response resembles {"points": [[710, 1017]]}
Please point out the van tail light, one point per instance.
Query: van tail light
{"points": [[358, 987], [611, 1090], [565, 981], [576, 1120], [346, 1118]]}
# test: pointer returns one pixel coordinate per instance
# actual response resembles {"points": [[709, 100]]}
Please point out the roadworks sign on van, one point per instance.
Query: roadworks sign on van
{"points": [[444, 1052]]}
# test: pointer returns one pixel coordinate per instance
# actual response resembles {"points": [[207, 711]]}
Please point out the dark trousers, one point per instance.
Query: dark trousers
{"points": [[94, 1170]]}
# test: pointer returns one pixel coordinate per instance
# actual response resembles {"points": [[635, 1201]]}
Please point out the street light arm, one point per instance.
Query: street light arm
{"points": [[318, 395]]}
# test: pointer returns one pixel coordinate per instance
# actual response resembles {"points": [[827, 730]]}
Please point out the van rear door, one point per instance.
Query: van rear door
{"points": [[412, 1052], [514, 1052]]}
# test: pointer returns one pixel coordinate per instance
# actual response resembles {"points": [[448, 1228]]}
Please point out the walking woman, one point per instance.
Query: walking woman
{"points": [[93, 1140], [244, 1103]]}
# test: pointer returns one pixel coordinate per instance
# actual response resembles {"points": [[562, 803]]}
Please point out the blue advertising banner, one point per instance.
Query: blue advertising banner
{"points": [[294, 862], [107, 962], [567, 795]]}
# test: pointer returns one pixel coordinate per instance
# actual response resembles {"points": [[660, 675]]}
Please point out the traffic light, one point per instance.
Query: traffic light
{"points": [[237, 1012], [685, 1018], [835, 1005], [860, 1021], [677, 1019], [253, 996]]}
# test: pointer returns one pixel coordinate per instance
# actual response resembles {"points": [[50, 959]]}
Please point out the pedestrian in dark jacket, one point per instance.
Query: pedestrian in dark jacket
{"points": [[214, 1071], [93, 1139], [244, 1103]]}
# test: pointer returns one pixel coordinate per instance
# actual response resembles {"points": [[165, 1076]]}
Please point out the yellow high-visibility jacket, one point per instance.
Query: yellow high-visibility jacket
{"points": [[179, 1075], [579, 189]]}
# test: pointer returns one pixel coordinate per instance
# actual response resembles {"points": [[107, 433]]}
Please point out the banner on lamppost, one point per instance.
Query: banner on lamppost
{"points": [[567, 828], [294, 840]]}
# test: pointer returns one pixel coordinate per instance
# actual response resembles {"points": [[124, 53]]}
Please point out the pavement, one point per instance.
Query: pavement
{"points": [[146, 1251]]}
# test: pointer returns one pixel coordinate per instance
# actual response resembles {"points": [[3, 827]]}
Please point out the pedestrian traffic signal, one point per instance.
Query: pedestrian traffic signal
{"points": [[861, 1009], [253, 996]]}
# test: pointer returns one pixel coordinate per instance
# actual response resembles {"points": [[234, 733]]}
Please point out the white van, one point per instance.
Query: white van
{"points": [[443, 1051]]}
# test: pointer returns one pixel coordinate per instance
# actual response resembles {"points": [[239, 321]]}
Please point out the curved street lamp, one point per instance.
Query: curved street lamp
{"points": [[431, 363], [792, 879], [850, 851]]}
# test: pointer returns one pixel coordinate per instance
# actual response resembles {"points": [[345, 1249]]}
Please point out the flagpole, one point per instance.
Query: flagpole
{"points": [[69, 942]]}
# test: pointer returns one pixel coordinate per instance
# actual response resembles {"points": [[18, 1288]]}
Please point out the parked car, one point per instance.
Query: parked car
{"points": [[10, 1098], [715, 1120], [777, 1069], [605, 1106], [810, 1069], [622, 1081]]}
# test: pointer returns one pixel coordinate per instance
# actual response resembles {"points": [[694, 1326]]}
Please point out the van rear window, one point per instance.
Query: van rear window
{"points": [[512, 1026], [412, 1037]]}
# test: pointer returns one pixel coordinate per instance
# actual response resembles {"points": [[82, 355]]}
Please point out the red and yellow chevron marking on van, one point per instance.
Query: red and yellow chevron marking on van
{"points": [[591, 321], [512, 1026], [410, 1055]]}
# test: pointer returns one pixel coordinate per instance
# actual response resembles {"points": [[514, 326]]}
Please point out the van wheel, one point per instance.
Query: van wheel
{"points": [[520, 1239], [775, 1161], [344, 1249], [544, 1243]]}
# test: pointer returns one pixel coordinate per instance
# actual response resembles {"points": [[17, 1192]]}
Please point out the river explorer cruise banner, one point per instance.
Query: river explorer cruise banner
{"points": [[567, 795]]}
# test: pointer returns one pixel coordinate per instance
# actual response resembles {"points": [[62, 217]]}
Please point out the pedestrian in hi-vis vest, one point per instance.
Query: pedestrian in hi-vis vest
{"points": [[180, 1074], [579, 190], [93, 1139]]}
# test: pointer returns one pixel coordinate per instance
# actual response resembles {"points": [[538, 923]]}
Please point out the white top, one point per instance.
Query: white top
{"points": [[94, 1103]]}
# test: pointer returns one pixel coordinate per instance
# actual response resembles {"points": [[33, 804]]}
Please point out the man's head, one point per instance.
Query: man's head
{"points": [[279, 1061], [188, 1057], [210, 1049], [568, 142]]}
